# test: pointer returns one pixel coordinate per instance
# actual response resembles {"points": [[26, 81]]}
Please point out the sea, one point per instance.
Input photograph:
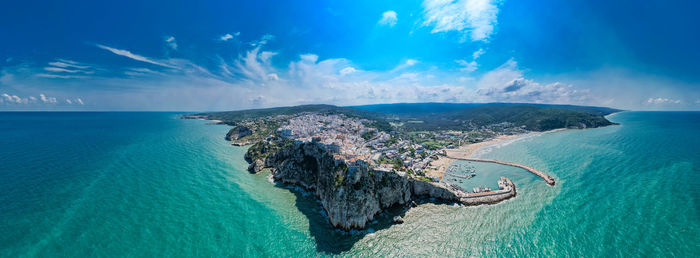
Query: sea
{"points": [[149, 184]]}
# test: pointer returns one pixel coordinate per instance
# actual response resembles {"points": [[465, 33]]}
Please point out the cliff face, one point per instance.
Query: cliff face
{"points": [[238, 132], [351, 196]]}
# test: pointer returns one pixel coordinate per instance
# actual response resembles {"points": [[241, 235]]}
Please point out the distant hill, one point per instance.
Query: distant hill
{"points": [[240, 115], [443, 116], [434, 108], [534, 118]]}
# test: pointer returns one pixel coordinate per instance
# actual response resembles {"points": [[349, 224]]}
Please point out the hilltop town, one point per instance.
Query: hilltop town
{"points": [[351, 139]]}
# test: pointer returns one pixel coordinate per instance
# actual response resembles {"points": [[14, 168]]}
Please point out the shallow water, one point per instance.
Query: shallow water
{"points": [[150, 184]]}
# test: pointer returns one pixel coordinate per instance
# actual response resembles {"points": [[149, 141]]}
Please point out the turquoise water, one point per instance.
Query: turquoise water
{"points": [[150, 184]]}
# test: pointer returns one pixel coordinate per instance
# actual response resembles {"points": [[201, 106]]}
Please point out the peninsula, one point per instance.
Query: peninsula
{"points": [[359, 161]]}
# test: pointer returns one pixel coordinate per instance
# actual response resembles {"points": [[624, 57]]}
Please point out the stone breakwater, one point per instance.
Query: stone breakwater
{"points": [[547, 178], [353, 194]]}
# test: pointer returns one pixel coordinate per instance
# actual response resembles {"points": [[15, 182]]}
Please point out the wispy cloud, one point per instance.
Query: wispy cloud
{"points": [[63, 63], [64, 70], [171, 42], [126, 53], [347, 70], [263, 40], [478, 53], [388, 18], [476, 19], [470, 66], [405, 64], [467, 66], [228, 36], [59, 76]]}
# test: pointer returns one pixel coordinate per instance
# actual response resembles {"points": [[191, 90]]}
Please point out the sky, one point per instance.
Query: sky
{"points": [[229, 55]]}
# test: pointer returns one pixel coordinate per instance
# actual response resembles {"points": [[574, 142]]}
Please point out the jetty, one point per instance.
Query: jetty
{"points": [[459, 176], [547, 178]]}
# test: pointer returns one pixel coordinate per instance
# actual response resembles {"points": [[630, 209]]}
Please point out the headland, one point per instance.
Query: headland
{"points": [[359, 163]]}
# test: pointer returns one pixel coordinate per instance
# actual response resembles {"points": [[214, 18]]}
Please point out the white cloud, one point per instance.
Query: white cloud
{"points": [[58, 76], [470, 66], [311, 58], [31, 100], [347, 70], [62, 63], [467, 66], [14, 99], [507, 83], [478, 53], [263, 40], [256, 65], [388, 18], [51, 100], [171, 42], [64, 70], [404, 65], [226, 37], [7, 97], [136, 57], [663, 101], [475, 18]]}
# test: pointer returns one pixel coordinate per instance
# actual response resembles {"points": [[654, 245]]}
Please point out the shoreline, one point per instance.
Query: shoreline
{"points": [[466, 151]]}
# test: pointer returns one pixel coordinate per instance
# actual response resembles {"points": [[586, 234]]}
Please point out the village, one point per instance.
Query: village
{"points": [[351, 139]]}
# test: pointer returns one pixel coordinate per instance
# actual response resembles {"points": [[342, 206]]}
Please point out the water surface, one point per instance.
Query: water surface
{"points": [[150, 184]]}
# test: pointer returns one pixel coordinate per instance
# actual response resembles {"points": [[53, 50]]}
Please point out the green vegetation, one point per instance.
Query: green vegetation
{"points": [[533, 118], [426, 179], [339, 179], [418, 122], [368, 135]]}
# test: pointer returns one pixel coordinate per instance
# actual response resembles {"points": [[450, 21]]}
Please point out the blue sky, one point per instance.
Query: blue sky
{"points": [[223, 55]]}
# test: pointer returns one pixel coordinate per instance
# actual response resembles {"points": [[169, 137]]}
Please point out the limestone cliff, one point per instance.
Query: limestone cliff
{"points": [[350, 195], [238, 132]]}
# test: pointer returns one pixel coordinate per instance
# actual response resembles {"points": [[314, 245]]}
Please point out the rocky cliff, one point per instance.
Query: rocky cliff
{"points": [[238, 132], [350, 195]]}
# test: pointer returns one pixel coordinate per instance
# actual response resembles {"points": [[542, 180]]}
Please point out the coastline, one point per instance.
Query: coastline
{"points": [[466, 151]]}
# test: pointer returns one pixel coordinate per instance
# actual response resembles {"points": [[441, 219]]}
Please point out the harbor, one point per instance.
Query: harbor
{"points": [[456, 175], [547, 178]]}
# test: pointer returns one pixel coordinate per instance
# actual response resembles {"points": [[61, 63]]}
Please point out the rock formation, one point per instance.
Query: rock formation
{"points": [[350, 195], [238, 132]]}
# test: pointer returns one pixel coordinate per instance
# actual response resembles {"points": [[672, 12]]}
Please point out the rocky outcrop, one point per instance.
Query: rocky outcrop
{"points": [[352, 195], [238, 132]]}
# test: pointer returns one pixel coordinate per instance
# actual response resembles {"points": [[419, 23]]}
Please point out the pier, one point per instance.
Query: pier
{"points": [[550, 181], [458, 176]]}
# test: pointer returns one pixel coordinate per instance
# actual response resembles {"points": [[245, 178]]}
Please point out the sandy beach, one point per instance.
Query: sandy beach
{"points": [[465, 151]]}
